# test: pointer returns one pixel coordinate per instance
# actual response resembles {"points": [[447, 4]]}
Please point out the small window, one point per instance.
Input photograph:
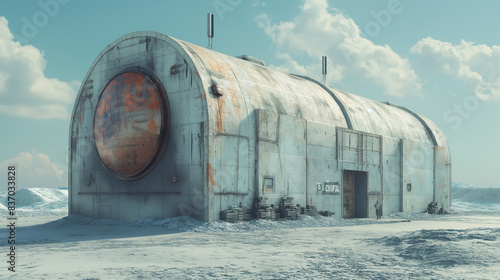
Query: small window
{"points": [[408, 187], [268, 184]]}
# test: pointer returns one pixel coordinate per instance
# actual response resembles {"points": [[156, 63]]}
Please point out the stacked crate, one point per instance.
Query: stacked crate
{"points": [[263, 211], [285, 211], [233, 215], [247, 212], [288, 210]]}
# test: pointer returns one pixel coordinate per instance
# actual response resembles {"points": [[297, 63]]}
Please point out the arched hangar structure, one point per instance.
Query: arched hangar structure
{"points": [[162, 128]]}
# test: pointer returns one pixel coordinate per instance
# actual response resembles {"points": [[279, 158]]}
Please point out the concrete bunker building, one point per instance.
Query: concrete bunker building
{"points": [[163, 128]]}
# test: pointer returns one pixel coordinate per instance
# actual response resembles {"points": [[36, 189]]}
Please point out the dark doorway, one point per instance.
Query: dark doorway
{"points": [[355, 192]]}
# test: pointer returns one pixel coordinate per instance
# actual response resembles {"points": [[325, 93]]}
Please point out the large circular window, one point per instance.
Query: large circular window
{"points": [[128, 124]]}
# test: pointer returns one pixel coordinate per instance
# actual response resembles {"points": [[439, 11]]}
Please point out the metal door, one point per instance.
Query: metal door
{"points": [[348, 194]]}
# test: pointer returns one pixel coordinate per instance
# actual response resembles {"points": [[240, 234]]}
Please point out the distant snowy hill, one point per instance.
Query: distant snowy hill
{"points": [[475, 194], [38, 202], [470, 198], [45, 201]]}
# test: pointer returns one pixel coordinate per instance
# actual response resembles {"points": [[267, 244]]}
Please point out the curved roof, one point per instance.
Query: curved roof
{"points": [[260, 87], [234, 88], [244, 86], [379, 118]]}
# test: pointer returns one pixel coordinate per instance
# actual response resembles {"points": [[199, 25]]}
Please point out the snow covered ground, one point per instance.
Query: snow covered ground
{"points": [[50, 245]]}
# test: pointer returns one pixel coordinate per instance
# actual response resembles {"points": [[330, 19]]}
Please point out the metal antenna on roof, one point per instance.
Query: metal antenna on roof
{"points": [[210, 30], [324, 68]]}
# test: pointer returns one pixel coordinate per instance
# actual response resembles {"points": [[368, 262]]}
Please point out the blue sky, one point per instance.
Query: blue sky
{"points": [[438, 58]]}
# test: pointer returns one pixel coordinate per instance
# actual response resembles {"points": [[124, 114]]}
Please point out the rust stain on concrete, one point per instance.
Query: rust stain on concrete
{"points": [[211, 173]]}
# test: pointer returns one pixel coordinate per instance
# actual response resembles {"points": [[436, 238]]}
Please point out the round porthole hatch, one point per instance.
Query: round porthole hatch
{"points": [[128, 125]]}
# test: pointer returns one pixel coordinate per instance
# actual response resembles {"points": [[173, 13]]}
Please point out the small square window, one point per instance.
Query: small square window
{"points": [[268, 184]]}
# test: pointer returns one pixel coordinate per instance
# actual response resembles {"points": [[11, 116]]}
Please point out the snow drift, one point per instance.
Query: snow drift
{"points": [[446, 247]]}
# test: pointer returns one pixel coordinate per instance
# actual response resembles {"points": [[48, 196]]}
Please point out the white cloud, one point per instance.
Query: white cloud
{"points": [[257, 3], [319, 30], [477, 65], [37, 170], [24, 89]]}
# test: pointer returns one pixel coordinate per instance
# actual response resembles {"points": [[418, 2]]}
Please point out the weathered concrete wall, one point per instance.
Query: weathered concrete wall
{"points": [[392, 175], [418, 175], [282, 157], [322, 166], [94, 191], [442, 177]]}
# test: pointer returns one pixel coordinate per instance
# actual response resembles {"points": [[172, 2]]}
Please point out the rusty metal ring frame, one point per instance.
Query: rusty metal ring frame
{"points": [[135, 101]]}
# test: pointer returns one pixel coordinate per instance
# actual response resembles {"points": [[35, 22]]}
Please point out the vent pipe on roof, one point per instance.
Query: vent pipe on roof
{"points": [[210, 30], [324, 68]]}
